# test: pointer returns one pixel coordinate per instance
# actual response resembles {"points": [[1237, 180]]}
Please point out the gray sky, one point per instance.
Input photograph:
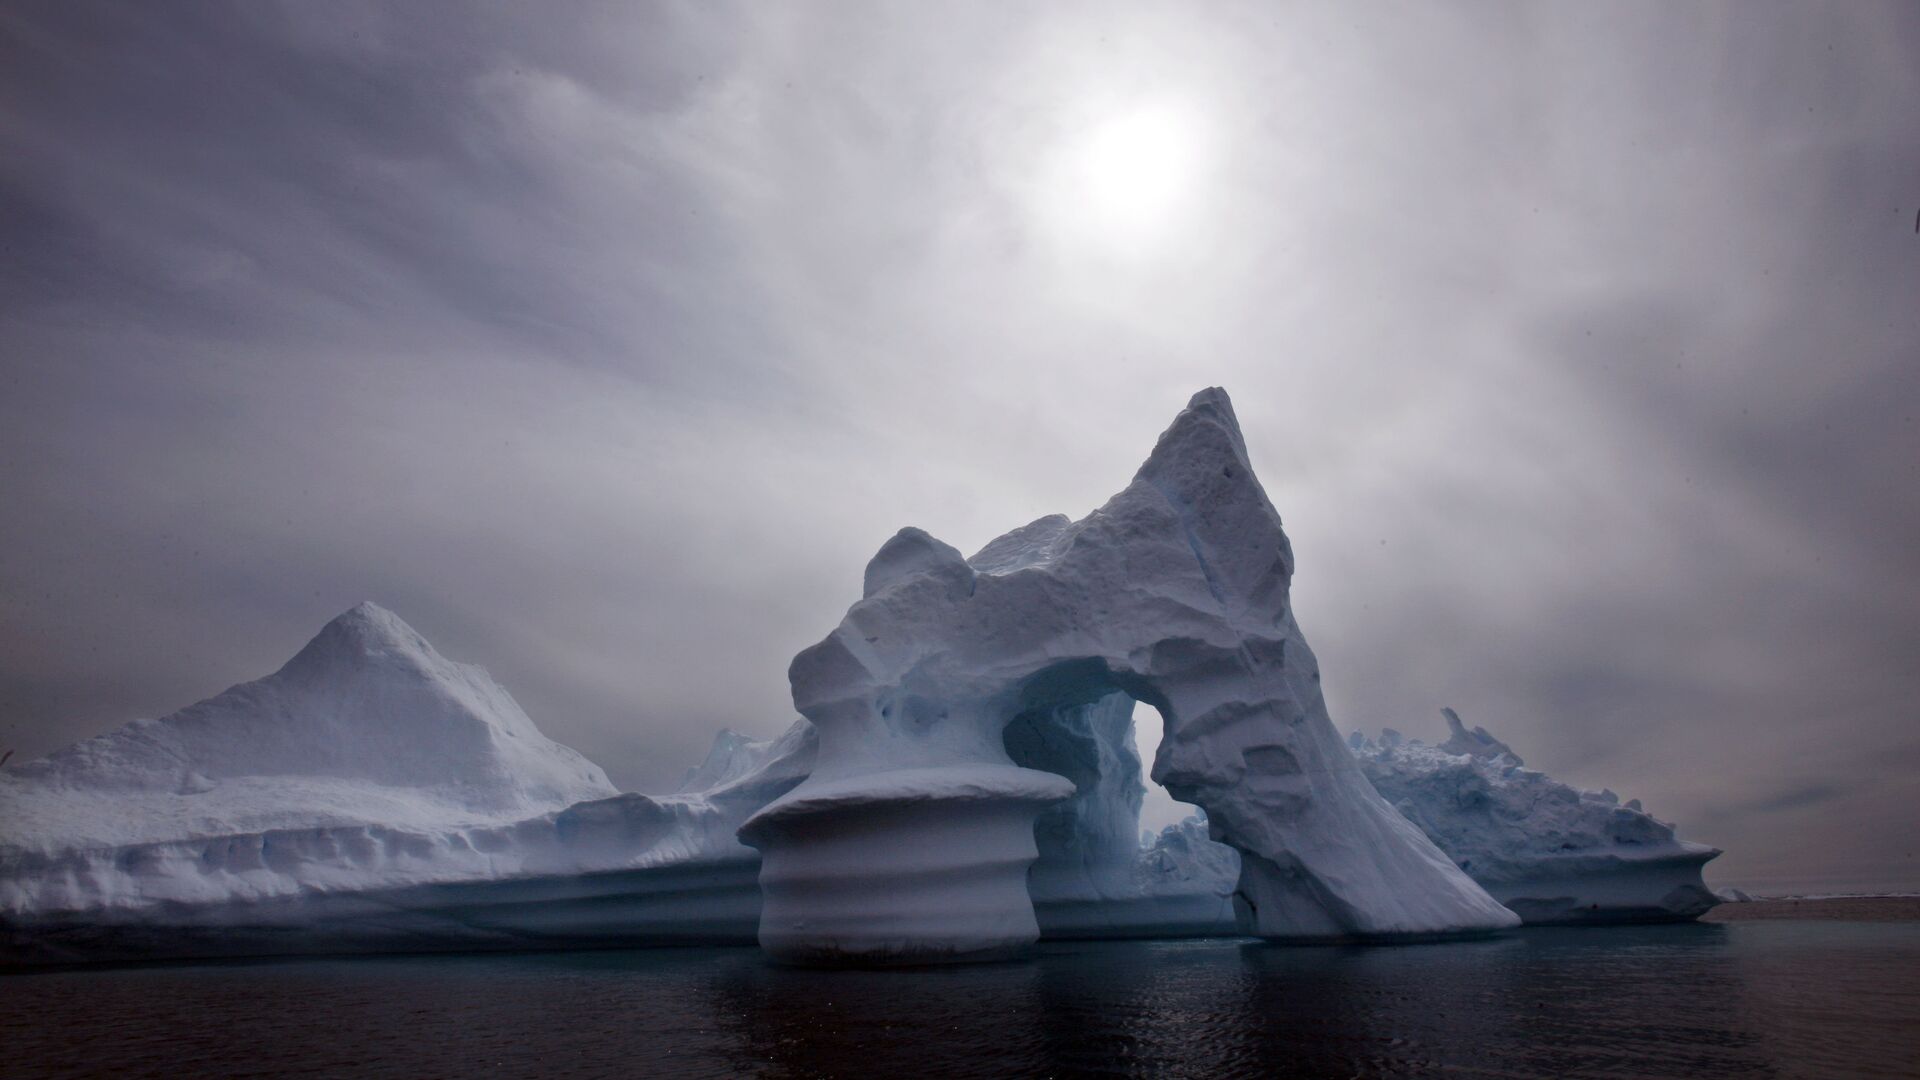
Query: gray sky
{"points": [[1578, 345]]}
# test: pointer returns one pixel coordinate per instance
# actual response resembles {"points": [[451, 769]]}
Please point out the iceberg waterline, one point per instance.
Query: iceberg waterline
{"points": [[964, 780]]}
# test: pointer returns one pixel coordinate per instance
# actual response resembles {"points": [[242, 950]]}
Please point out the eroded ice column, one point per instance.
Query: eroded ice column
{"points": [[910, 842]]}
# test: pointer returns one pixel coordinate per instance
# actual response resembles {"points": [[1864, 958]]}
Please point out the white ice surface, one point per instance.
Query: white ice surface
{"points": [[367, 725]]}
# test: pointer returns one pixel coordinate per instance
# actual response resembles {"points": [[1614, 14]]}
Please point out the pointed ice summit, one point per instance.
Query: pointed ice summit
{"points": [[365, 725], [912, 837]]}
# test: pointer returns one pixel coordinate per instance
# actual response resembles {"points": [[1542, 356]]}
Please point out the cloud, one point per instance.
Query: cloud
{"points": [[1795, 799]]}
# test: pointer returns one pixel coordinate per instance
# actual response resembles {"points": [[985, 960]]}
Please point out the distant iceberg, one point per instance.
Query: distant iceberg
{"points": [[1549, 852]]}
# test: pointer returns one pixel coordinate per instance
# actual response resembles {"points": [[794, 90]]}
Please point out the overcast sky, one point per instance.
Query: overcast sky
{"points": [[1579, 347]]}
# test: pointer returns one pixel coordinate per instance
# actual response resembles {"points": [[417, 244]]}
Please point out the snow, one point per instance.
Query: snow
{"points": [[1176, 592], [1551, 853]]}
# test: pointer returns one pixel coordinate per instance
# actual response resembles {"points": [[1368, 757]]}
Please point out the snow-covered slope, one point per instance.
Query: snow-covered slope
{"points": [[1175, 592], [370, 794], [1545, 850], [367, 725], [630, 869]]}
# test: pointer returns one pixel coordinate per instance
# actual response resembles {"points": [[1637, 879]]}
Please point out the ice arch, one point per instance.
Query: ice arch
{"points": [[1094, 877], [1087, 843], [913, 836]]}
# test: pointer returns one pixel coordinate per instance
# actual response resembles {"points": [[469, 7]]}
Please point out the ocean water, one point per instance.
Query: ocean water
{"points": [[1774, 998]]}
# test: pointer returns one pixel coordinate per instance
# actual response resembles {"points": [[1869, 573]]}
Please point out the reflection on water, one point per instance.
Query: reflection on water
{"points": [[1784, 999]]}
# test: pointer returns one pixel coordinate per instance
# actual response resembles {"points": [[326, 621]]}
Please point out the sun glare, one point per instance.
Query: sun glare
{"points": [[1137, 165], [1129, 178]]}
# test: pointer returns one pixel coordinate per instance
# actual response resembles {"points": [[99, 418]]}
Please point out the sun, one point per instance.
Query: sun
{"points": [[1136, 166], [1127, 179]]}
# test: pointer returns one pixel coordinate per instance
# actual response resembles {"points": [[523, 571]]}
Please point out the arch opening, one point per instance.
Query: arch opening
{"points": [[1098, 872], [1158, 808]]}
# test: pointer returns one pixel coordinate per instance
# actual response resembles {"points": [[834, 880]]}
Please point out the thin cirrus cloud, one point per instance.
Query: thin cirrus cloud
{"points": [[1575, 346]]}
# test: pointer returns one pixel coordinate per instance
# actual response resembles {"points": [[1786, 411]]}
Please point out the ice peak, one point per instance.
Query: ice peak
{"points": [[1200, 467], [366, 706], [911, 551], [1206, 435], [362, 633], [1029, 544], [370, 622], [1475, 743], [722, 763], [1215, 400]]}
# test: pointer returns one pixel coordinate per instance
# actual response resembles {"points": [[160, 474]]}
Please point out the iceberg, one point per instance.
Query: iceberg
{"points": [[1547, 851], [369, 795], [913, 837], [962, 781]]}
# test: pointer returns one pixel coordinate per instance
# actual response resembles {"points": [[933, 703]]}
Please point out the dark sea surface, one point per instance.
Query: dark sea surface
{"points": [[1767, 998]]}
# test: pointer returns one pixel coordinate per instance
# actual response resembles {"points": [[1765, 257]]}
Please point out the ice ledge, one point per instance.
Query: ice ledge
{"points": [[897, 787]]}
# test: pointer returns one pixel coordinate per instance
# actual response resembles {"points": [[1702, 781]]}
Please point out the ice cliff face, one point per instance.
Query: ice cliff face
{"points": [[1542, 848], [1176, 593]]}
